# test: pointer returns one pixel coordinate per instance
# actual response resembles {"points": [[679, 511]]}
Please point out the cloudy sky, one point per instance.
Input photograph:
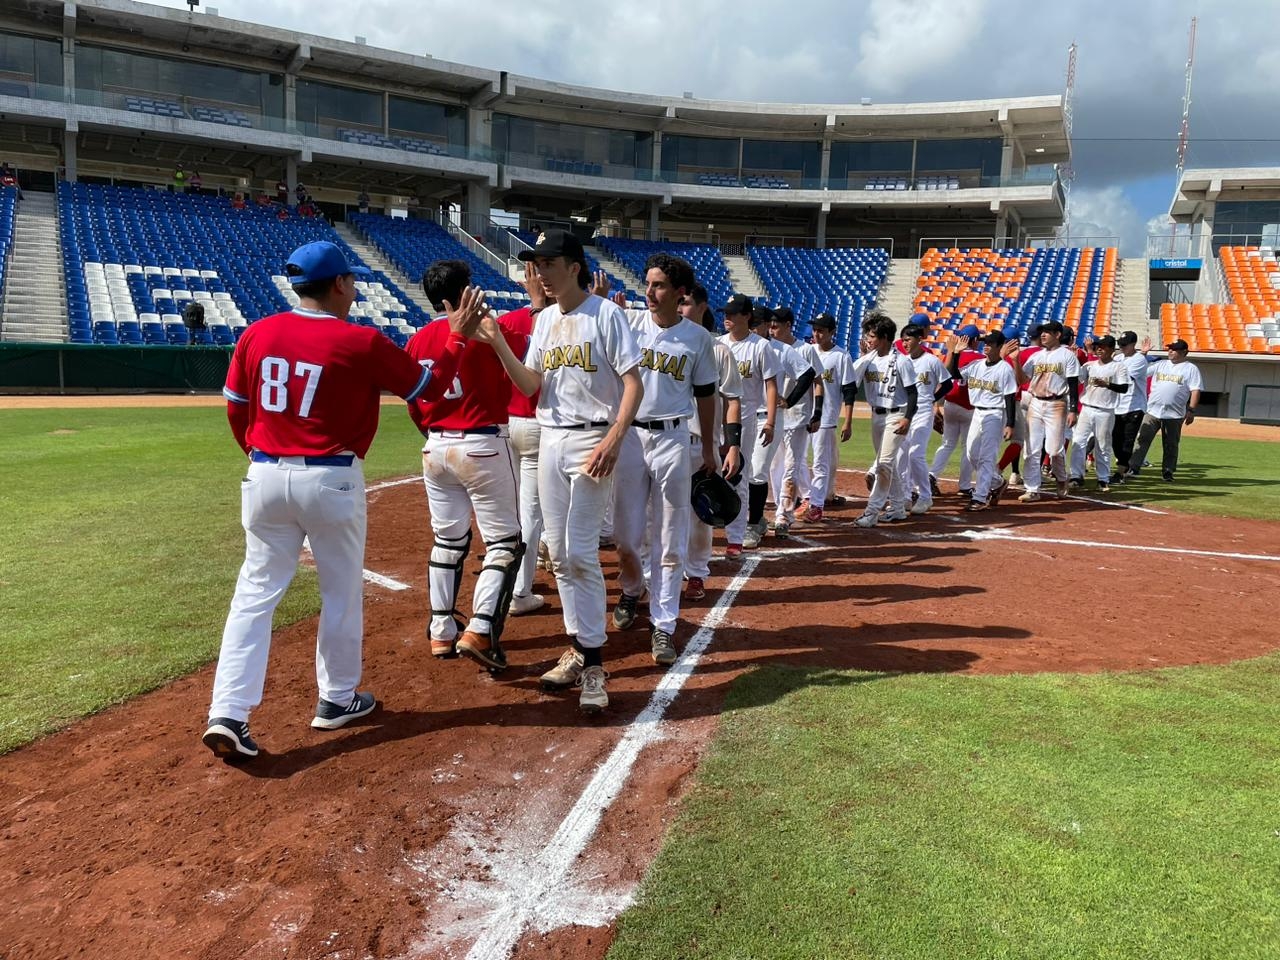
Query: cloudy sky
{"points": [[1129, 83]]}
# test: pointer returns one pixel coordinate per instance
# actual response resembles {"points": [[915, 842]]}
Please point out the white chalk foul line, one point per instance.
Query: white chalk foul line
{"points": [[992, 534], [580, 824], [375, 578], [392, 483]]}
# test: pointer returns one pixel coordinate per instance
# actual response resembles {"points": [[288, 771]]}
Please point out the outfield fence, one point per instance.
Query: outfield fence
{"points": [[1260, 403], [72, 367]]}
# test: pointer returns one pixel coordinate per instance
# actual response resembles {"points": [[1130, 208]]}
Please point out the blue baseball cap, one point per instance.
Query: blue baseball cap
{"points": [[320, 260], [922, 319], [969, 331]]}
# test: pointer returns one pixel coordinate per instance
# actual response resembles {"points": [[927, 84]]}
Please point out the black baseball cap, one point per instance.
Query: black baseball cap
{"points": [[1108, 341], [823, 320], [738, 304], [996, 338], [1051, 326], [555, 243], [1178, 345], [783, 315], [760, 314], [1127, 338]]}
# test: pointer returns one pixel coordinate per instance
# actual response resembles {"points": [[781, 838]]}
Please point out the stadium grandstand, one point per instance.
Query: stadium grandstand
{"points": [[182, 167]]}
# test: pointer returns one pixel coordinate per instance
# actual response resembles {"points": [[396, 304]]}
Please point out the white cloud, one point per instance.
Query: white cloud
{"points": [[913, 39], [1106, 217]]}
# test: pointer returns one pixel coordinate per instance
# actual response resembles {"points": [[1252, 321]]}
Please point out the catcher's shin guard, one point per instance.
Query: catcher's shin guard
{"points": [[444, 576], [502, 557]]}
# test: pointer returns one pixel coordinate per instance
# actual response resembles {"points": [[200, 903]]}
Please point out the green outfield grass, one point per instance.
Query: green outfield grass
{"points": [[120, 550], [854, 815]]}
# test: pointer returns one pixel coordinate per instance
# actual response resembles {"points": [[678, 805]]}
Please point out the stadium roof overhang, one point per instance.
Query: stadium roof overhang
{"points": [[1212, 185]]}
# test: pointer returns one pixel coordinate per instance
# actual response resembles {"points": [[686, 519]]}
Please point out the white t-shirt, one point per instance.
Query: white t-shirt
{"points": [[837, 372], [728, 386], [1171, 386], [581, 357], [795, 361], [1100, 396], [1049, 370], [1136, 398], [930, 376], [757, 363], [885, 379], [989, 383], [673, 361]]}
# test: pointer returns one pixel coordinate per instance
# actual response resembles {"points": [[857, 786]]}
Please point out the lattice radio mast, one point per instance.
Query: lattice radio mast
{"points": [[1184, 131], [1066, 172]]}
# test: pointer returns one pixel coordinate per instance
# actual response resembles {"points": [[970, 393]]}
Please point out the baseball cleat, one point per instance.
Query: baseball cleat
{"points": [[229, 739], [894, 515], [812, 515], [1076, 483], [870, 480], [965, 492], [1061, 489], [444, 649], [624, 614], [1167, 476], [934, 489], [921, 506], [1015, 479], [330, 716], [527, 604], [867, 520], [755, 533], [695, 589], [566, 673], [1031, 496], [997, 492], [480, 648], [836, 500], [733, 551], [782, 530], [1103, 486], [594, 697], [662, 647], [974, 506]]}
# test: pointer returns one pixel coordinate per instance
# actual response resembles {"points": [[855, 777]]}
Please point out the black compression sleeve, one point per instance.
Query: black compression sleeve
{"points": [[1073, 394], [849, 393], [733, 434], [1010, 409], [704, 389], [913, 401], [817, 407], [1118, 387], [803, 383]]}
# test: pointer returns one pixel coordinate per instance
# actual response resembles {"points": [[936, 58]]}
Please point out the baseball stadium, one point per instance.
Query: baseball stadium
{"points": [[960, 727]]}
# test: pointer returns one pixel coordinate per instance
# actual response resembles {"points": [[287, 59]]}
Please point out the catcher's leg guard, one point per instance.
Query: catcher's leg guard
{"points": [[444, 574], [501, 562]]}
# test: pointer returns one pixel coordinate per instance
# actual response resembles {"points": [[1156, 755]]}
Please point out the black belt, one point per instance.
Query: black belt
{"points": [[583, 426], [1094, 406], [883, 410], [335, 460], [483, 431], [1061, 396], [988, 408], [658, 424]]}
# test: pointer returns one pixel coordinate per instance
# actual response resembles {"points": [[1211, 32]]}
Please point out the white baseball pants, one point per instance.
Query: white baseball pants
{"points": [[750, 440], [1047, 431], [825, 463], [1094, 424], [955, 427], [697, 562], [573, 508], [761, 462], [524, 436], [982, 446], [915, 454], [280, 504], [653, 495], [464, 472], [890, 487], [790, 473]]}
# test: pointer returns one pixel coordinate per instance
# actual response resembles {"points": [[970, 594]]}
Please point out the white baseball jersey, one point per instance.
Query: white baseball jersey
{"points": [[1136, 398], [757, 362], [673, 361], [793, 362], [1171, 386], [885, 379], [1049, 370], [581, 357], [1102, 397], [836, 372], [931, 374], [989, 383], [728, 385]]}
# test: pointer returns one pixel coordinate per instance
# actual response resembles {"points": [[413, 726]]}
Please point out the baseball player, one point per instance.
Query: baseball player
{"points": [[302, 400], [467, 466], [678, 373], [889, 380], [1172, 402], [957, 414], [802, 406], [1052, 378], [727, 426], [1106, 379], [762, 456], [933, 383], [1130, 406], [992, 387], [837, 378], [758, 370], [584, 359]]}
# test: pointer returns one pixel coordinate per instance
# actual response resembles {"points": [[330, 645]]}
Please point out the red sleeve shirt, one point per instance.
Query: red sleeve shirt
{"points": [[959, 392], [521, 321], [310, 383], [480, 392]]}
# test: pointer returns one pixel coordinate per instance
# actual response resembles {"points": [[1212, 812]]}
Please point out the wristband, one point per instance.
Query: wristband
{"points": [[733, 434]]}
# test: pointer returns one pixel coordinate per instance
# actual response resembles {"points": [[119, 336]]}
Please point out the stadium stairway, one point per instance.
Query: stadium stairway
{"points": [[744, 278], [35, 297], [899, 290], [1133, 299], [373, 257]]}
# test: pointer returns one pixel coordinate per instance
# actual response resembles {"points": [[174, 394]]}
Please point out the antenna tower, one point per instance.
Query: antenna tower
{"points": [[1184, 130], [1066, 172]]}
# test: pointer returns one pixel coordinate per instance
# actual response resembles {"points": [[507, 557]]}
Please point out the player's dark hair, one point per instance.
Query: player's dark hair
{"points": [[678, 271], [312, 290], [913, 330], [698, 293], [879, 325], [446, 280], [760, 314]]}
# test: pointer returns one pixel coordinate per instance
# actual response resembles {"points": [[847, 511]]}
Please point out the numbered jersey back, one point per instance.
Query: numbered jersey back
{"points": [[312, 383], [481, 392]]}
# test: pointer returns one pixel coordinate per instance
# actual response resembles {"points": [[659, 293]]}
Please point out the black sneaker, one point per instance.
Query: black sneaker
{"points": [[229, 739], [330, 716], [1168, 476], [624, 614], [1103, 486], [1077, 483], [662, 647]]}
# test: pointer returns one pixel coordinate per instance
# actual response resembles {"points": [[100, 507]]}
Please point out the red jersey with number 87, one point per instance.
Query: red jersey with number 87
{"points": [[312, 383], [478, 396]]}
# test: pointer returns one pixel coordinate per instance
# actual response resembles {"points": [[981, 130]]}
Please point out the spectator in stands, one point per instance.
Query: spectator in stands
{"points": [[282, 214], [195, 184], [306, 208], [282, 192], [362, 201], [9, 179], [179, 180], [193, 319], [300, 192], [237, 201]]}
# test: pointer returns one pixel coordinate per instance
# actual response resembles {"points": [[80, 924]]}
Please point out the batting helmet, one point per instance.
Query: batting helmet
{"points": [[715, 502]]}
